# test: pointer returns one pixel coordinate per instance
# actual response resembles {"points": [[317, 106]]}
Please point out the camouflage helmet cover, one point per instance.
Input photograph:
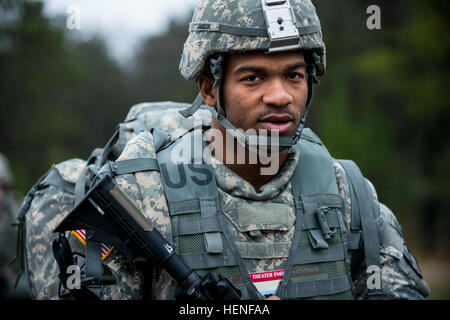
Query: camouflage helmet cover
{"points": [[206, 37]]}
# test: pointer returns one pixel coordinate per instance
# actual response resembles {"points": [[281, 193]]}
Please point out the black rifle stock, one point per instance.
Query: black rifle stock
{"points": [[112, 218]]}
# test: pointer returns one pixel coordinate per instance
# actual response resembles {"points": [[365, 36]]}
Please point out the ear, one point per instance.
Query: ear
{"points": [[209, 94]]}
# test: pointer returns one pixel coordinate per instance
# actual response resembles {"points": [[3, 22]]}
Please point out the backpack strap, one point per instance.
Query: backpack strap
{"points": [[161, 139], [91, 165], [20, 224], [364, 211]]}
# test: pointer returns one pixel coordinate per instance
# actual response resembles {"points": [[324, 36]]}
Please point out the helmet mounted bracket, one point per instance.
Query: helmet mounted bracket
{"points": [[281, 25]]}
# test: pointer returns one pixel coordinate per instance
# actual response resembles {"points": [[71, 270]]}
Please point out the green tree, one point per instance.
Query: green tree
{"points": [[58, 98], [385, 104], [155, 72]]}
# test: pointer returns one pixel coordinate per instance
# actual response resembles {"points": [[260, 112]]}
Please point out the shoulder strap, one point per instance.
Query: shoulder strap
{"points": [[92, 164], [20, 224], [363, 213]]}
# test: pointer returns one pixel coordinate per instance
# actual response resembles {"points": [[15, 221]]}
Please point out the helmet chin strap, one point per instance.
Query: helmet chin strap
{"points": [[253, 143]]}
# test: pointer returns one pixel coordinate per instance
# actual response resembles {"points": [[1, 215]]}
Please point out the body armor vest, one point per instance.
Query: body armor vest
{"points": [[317, 266]]}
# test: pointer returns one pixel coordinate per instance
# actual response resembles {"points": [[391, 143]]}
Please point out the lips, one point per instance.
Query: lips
{"points": [[277, 118], [280, 122]]}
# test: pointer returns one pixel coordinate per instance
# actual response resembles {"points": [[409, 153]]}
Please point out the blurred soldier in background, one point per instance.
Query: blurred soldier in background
{"points": [[8, 212]]}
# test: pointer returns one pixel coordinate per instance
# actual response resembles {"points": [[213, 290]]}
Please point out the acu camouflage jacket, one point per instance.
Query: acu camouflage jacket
{"points": [[401, 279]]}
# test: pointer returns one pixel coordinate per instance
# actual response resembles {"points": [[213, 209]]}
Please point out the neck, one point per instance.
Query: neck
{"points": [[254, 168]]}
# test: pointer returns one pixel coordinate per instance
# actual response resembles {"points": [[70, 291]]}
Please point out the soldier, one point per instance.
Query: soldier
{"points": [[8, 212], [312, 228]]}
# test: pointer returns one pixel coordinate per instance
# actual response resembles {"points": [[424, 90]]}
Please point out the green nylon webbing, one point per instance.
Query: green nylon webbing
{"points": [[272, 214], [94, 266], [80, 185], [318, 287], [264, 250], [354, 240], [244, 31], [206, 261], [134, 165], [310, 221], [196, 226], [363, 205], [193, 108], [184, 207], [309, 255], [213, 240]]}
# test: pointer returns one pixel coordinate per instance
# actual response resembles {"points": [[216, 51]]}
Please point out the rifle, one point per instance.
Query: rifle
{"points": [[111, 217]]}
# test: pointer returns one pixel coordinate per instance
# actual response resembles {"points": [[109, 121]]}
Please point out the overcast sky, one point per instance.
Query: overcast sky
{"points": [[121, 22]]}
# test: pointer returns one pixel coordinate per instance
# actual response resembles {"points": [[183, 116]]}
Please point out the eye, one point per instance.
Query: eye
{"points": [[251, 78], [295, 76]]}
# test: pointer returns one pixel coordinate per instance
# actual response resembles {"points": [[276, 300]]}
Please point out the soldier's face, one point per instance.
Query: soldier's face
{"points": [[265, 91]]}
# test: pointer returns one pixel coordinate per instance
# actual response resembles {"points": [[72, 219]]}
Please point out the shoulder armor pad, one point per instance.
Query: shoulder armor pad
{"points": [[141, 146]]}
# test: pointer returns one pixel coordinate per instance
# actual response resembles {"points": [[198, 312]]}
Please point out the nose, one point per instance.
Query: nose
{"points": [[276, 94]]}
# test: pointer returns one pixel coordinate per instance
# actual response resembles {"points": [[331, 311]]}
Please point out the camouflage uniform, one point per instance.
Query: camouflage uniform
{"points": [[145, 188], [8, 212], [244, 21], [51, 202], [49, 206]]}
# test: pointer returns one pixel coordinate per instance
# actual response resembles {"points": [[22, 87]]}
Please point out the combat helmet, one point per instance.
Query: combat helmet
{"points": [[220, 27]]}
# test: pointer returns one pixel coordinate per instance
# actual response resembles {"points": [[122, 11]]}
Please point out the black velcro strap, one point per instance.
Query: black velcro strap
{"points": [[63, 256]]}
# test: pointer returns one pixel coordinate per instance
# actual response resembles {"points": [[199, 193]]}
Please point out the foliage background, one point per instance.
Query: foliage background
{"points": [[383, 103]]}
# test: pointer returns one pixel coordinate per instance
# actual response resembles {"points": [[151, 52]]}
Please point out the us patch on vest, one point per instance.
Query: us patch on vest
{"points": [[106, 249], [267, 282]]}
